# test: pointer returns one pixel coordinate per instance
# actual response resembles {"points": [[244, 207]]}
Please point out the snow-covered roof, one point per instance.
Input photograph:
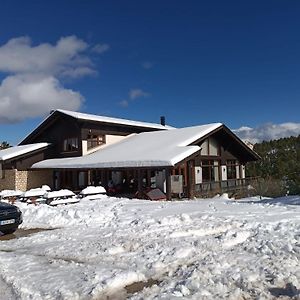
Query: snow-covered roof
{"points": [[149, 149], [16, 151], [96, 118]]}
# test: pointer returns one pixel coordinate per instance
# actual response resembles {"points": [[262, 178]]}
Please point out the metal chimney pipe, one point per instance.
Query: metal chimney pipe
{"points": [[163, 120]]}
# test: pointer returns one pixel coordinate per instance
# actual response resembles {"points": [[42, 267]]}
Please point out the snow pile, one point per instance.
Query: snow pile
{"points": [[59, 194], [93, 190], [10, 193], [38, 192], [119, 248]]}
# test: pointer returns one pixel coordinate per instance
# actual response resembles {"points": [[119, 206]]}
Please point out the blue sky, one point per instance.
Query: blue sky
{"points": [[236, 62]]}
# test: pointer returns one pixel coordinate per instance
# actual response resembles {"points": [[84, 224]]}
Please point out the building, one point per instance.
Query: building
{"points": [[73, 150]]}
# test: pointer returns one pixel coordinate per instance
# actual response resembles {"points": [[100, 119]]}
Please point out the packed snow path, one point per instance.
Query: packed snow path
{"points": [[199, 249]]}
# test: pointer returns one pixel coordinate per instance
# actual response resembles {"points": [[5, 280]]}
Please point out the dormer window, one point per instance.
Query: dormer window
{"points": [[70, 144], [95, 141]]}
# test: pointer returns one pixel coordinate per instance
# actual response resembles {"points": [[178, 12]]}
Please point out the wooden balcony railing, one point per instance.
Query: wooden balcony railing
{"points": [[225, 186]]}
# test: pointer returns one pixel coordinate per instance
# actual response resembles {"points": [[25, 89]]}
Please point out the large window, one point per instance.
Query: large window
{"points": [[95, 140], [210, 170], [210, 147], [231, 169], [70, 144]]}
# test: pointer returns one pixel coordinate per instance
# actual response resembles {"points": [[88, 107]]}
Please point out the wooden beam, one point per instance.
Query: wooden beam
{"points": [[191, 178]]}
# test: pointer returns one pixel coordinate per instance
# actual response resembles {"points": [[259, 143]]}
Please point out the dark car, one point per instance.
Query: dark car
{"points": [[10, 218]]}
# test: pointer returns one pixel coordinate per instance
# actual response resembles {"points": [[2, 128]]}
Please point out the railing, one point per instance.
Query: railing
{"points": [[225, 186]]}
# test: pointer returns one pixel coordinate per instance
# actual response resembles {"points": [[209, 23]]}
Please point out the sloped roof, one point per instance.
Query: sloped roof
{"points": [[103, 119], [91, 118], [149, 149], [16, 151]]}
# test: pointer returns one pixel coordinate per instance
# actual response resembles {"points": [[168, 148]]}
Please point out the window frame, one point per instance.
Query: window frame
{"points": [[231, 165], [95, 140], [210, 166], [68, 145]]}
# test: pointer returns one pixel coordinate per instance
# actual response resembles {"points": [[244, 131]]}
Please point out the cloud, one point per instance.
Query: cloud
{"points": [[32, 86], [124, 103], [100, 48], [147, 65], [268, 132], [133, 95], [66, 57], [137, 93], [26, 96]]}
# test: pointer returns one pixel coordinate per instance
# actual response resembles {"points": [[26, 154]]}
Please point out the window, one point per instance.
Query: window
{"points": [[210, 147], [70, 144], [95, 140], [231, 169], [210, 170]]}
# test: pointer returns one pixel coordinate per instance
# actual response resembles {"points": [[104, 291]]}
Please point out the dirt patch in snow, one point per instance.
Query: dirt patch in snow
{"points": [[140, 285], [21, 233]]}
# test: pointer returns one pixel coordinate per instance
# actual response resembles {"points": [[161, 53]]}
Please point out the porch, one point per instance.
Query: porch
{"points": [[236, 186]]}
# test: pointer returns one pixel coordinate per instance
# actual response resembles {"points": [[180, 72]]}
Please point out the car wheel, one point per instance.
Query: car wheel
{"points": [[9, 231]]}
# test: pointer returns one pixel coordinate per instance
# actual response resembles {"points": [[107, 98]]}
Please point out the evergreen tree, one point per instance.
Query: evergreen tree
{"points": [[4, 145], [280, 160]]}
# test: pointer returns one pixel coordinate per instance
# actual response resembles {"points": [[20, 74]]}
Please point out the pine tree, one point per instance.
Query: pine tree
{"points": [[280, 160], [4, 145]]}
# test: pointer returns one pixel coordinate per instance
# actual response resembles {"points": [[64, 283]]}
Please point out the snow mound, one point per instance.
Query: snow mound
{"points": [[10, 193], [59, 194], [92, 190], [38, 192]]}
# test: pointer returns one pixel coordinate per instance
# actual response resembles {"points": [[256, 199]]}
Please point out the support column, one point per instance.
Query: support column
{"points": [[168, 184], [88, 177], [149, 178], [191, 178], [140, 183]]}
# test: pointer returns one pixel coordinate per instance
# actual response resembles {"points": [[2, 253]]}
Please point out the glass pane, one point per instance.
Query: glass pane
{"points": [[213, 147], [204, 148]]}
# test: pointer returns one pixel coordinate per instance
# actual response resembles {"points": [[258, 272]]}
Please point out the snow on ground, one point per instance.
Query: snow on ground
{"points": [[198, 249]]}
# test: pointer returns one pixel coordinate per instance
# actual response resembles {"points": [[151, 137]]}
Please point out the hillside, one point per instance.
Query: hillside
{"points": [[279, 164]]}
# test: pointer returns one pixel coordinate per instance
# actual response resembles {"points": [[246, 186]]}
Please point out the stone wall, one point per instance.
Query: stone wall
{"points": [[38, 178], [8, 182], [25, 180]]}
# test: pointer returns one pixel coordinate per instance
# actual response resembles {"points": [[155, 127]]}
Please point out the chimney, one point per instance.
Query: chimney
{"points": [[163, 120]]}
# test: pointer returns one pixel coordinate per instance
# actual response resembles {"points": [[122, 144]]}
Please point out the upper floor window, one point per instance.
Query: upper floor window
{"points": [[95, 140], [210, 147], [70, 144]]}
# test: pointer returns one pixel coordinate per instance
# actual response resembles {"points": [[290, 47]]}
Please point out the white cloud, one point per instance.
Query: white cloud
{"points": [[26, 96], [137, 93], [124, 103], [100, 48], [133, 95], [32, 87], [66, 57], [268, 132], [147, 65]]}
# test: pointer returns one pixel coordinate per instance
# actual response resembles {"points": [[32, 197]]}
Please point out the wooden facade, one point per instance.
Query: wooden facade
{"points": [[218, 165]]}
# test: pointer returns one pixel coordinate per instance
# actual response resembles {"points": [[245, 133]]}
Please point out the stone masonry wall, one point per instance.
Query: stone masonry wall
{"points": [[26, 180], [38, 178], [8, 182]]}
